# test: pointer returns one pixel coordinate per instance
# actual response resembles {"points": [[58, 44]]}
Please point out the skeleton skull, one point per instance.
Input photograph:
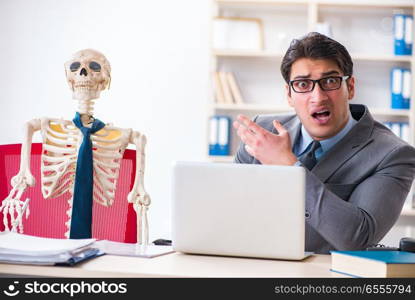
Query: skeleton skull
{"points": [[87, 73]]}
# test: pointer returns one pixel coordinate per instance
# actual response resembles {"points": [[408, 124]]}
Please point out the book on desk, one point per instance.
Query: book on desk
{"points": [[26, 249], [373, 263]]}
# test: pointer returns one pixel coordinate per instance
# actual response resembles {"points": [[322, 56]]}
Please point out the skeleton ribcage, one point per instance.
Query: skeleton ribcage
{"points": [[61, 142]]}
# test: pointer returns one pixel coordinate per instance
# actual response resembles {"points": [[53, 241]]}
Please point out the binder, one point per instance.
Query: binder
{"points": [[396, 88], [408, 35], [213, 135], [406, 89], [396, 129], [224, 135], [219, 135], [399, 31], [405, 131], [400, 129]]}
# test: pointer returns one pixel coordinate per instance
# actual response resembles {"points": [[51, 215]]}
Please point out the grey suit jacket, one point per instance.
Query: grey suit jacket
{"points": [[356, 191]]}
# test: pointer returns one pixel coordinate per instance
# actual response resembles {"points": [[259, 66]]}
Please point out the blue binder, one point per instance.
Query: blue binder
{"points": [[396, 88], [408, 34], [406, 88], [396, 128], [213, 135], [399, 33], [224, 135], [219, 135], [405, 131]]}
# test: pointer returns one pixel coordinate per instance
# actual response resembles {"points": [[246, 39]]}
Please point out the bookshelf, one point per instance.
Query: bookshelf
{"points": [[408, 212], [364, 27], [279, 55]]}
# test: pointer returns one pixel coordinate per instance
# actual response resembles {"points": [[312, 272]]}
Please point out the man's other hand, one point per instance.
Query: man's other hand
{"points": [[267, 147]]}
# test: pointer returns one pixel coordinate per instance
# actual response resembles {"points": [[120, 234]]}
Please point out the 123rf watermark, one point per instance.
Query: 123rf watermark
{"points": [[363, 289], [64, 288]]}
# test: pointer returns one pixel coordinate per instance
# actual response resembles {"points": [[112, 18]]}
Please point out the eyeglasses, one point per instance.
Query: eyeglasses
{"points": [[326, 84]]}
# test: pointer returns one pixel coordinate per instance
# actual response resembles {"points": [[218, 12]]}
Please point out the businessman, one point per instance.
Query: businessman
{"points": [[358, 173]]}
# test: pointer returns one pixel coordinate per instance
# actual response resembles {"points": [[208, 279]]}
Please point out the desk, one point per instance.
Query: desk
{"points": [[181, 265]]}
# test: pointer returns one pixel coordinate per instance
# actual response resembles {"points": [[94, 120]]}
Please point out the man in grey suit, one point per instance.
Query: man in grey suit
{"points": [[358, 172]]}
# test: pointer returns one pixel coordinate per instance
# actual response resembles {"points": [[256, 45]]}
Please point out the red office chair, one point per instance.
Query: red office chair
{"points": [[48, 216]]}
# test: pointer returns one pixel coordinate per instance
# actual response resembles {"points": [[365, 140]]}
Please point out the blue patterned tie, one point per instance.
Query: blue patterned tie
{"points": [[308, 159], [83, 191]]}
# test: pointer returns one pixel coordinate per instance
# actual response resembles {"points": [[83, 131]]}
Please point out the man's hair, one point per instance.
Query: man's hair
{"points": [[315, 45]]}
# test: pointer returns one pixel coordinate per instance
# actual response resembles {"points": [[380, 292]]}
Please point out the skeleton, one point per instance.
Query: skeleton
{"points": [[87, 73]]}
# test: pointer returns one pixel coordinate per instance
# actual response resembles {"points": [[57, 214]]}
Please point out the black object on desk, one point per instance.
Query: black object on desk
{"points": [[405, 244], [162, 242]]}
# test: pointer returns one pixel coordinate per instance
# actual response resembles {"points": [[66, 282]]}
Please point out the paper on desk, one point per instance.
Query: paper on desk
{"points": [[127, 249], [17, 243], [19, 248]]}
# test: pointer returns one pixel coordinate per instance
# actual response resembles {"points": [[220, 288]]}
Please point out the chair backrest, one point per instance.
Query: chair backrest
{"points": [[48, 216]]}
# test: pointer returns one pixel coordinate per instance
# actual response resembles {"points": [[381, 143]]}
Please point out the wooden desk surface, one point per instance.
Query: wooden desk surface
{"points": [[181, 265]]}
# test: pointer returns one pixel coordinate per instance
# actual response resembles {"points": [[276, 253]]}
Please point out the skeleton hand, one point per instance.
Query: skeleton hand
{"points": [[12, 206], [23, 178], [141, 199], [141, 202]]}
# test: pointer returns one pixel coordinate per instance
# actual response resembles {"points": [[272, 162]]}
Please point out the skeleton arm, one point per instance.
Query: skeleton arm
{"points": [[138, 196], [12, 205]]}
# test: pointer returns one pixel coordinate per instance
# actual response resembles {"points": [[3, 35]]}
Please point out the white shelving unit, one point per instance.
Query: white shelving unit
{"points": [[364, 27], [279, 56], [408, 212]]}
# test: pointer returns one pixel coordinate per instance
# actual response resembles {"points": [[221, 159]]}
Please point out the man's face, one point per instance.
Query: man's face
{"points": [[322, 113]]}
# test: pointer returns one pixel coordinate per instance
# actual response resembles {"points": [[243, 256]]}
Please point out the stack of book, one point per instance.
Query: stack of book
{"points": [[373, 263], [25, 249], [226, 88]]}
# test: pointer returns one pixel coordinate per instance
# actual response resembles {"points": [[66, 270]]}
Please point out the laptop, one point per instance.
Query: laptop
{"points": [[242, 210]]}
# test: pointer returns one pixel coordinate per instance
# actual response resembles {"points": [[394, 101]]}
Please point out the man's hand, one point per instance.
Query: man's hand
{"points": [[267, 147]]}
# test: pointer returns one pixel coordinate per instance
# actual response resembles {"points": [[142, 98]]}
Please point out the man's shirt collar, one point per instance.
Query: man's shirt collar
{"points": [[305, 139]]}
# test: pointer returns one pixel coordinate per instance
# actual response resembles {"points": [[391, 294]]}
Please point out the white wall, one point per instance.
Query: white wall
{"points": [[159, 55]]}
